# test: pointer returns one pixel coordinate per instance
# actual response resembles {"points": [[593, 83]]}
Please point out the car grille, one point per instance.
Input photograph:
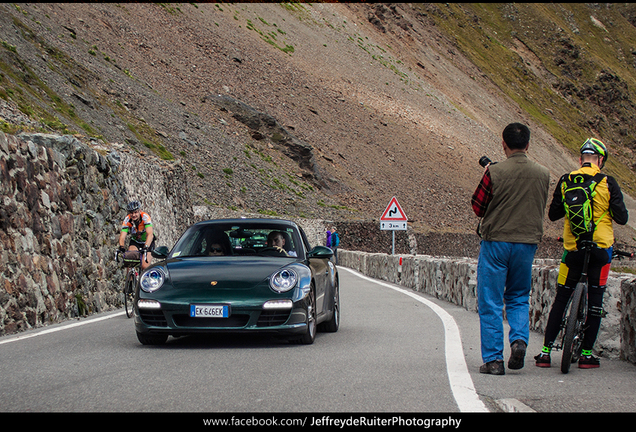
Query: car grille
{"points": [[233, 321], [273, 318], [153, 317]]}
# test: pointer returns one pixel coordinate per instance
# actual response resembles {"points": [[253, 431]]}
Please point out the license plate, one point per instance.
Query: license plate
{"points": [[209, 311]]}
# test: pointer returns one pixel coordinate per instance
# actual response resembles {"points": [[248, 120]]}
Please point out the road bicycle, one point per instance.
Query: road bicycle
{"points": [[131, 260], [575, 315]]}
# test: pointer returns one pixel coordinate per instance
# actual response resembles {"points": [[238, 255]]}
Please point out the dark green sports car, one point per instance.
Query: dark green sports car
{"points": [[239, 275]]}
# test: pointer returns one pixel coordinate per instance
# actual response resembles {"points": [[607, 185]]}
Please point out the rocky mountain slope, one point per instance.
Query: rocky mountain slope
{"points": [[327, 110]]}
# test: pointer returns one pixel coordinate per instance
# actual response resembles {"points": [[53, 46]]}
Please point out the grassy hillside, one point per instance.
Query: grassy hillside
{"points": [[571, 66]]}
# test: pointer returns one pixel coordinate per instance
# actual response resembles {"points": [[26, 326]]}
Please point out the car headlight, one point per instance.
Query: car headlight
{"points": [[152, 280], [283, 280]]}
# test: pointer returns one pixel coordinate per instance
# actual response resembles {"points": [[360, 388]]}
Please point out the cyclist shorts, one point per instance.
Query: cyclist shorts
{"points": [[572, 266], [141, 245]]}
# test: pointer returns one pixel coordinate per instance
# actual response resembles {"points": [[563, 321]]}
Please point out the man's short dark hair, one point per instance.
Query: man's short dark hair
{"points": [[516, 136]]}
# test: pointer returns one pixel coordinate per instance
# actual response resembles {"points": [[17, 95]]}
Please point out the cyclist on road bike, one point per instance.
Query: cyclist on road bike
{"points": [[139, 225], [608, 206]]}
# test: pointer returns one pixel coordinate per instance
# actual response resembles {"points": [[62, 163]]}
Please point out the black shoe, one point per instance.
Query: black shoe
{"points": [[495, 367], [543, 360], [589, 362], [517, 354]]}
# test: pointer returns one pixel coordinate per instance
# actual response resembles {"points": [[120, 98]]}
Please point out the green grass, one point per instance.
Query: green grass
{"points": [[573, 52], [35, 99]]}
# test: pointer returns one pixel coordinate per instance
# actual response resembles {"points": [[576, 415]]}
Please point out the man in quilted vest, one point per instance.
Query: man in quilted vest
{"points": [[511, 200]]}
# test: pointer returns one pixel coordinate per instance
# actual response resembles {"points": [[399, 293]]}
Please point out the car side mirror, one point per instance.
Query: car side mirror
{"points": [[320, 252], [160, 252]]}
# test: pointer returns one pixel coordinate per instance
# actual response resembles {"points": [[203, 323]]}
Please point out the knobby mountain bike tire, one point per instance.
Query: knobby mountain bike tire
{"points": [[575, 321], [129, 294]]}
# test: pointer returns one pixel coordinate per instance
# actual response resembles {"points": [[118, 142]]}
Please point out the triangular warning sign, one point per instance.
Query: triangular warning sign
{"points": [[393, 212]]}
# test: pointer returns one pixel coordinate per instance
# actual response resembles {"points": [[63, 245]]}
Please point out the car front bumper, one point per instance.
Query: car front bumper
{"points": [[154, 317]]}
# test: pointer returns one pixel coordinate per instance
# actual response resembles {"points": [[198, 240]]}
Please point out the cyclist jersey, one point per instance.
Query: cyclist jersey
{"points": [[137, 231], [608, 206]]}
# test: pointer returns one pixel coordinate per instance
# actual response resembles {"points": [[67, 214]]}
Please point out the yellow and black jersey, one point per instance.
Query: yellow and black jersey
{"points": [[607, 204]]}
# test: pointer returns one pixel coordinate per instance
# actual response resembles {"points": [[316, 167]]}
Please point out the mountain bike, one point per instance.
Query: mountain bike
{"points": [[132, 261], [573, 324]]}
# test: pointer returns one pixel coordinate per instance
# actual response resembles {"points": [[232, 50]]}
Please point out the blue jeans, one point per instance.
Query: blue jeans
{"points": [[504, 275]]}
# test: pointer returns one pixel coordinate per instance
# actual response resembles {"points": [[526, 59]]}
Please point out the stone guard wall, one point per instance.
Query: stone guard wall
{"points": [[455, 280]]}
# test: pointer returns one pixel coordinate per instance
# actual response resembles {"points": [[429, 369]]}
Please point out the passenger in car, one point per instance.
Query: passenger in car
{"points": [[215, 250], [219, 245]]}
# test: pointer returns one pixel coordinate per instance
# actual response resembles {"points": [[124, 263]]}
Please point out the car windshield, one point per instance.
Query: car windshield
{"points": [[239, 239]]}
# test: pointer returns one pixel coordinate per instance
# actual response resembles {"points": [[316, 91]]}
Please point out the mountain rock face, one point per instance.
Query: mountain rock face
{"points": [[315, 112], [319, 110]]}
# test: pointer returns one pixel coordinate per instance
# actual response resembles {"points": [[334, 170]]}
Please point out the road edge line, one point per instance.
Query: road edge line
{"points": [[459, 378], [23, 336]]}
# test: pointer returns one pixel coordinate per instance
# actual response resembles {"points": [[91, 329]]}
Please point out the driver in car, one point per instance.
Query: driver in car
{"points": [[276, 240]]}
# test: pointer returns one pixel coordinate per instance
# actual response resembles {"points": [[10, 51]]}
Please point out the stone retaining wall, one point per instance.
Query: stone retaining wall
{"points": [[455, 280], [62, 205]]}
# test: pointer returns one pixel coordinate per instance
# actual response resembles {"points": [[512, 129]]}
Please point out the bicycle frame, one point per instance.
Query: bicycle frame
{"points": [[130, 285]]}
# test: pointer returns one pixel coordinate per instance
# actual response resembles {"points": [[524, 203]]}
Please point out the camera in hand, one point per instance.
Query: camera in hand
{"points": [[484, 161]]}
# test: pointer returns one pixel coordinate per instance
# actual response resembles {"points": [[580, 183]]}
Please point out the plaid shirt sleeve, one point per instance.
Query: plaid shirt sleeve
{"points": [[483, 195]]}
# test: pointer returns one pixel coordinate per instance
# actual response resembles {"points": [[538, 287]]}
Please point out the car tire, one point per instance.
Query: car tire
{"points": [[150, 339], [310, 336], [333, 324]]}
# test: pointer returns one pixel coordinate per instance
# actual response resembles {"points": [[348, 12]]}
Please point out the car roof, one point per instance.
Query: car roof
{"points": [[248, 220]]}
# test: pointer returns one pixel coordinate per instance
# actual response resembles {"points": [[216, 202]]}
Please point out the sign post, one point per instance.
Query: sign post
{"points": [[393, 219]]}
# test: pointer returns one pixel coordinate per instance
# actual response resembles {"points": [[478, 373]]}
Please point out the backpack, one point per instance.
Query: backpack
{"points": [[578, 190], [335, 240]]}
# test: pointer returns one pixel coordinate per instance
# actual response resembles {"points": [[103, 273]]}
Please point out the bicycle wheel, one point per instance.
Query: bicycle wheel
{"points": [[129, 294], [573, 337]]}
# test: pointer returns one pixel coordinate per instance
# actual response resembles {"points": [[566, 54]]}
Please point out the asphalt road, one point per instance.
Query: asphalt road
{"points": [[397, 351]]}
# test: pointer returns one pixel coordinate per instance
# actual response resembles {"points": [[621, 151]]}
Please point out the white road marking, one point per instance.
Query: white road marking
{"points": [[458, 376], [49, 330]]}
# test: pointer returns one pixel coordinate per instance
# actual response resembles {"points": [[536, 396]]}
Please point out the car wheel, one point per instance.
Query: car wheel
{"points": [[150, 339], [309, 337], [333, 324]]}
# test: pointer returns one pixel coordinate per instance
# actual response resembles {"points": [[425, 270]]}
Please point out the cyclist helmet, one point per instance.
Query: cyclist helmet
{"points": [[594, 146], [133, 206]]}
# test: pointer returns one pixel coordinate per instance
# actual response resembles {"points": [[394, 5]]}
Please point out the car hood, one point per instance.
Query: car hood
{"points": [[222, 273]]}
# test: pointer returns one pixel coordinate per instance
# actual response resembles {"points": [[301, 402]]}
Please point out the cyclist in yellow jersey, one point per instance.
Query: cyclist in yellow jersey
{"points": [[608, 207]]}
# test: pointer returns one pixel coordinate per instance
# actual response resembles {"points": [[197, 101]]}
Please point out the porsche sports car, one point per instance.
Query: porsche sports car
{"points": [[239, 275]]}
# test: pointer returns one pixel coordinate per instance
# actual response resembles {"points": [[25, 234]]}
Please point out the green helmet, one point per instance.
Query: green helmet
{"points": [[594, 146]]}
